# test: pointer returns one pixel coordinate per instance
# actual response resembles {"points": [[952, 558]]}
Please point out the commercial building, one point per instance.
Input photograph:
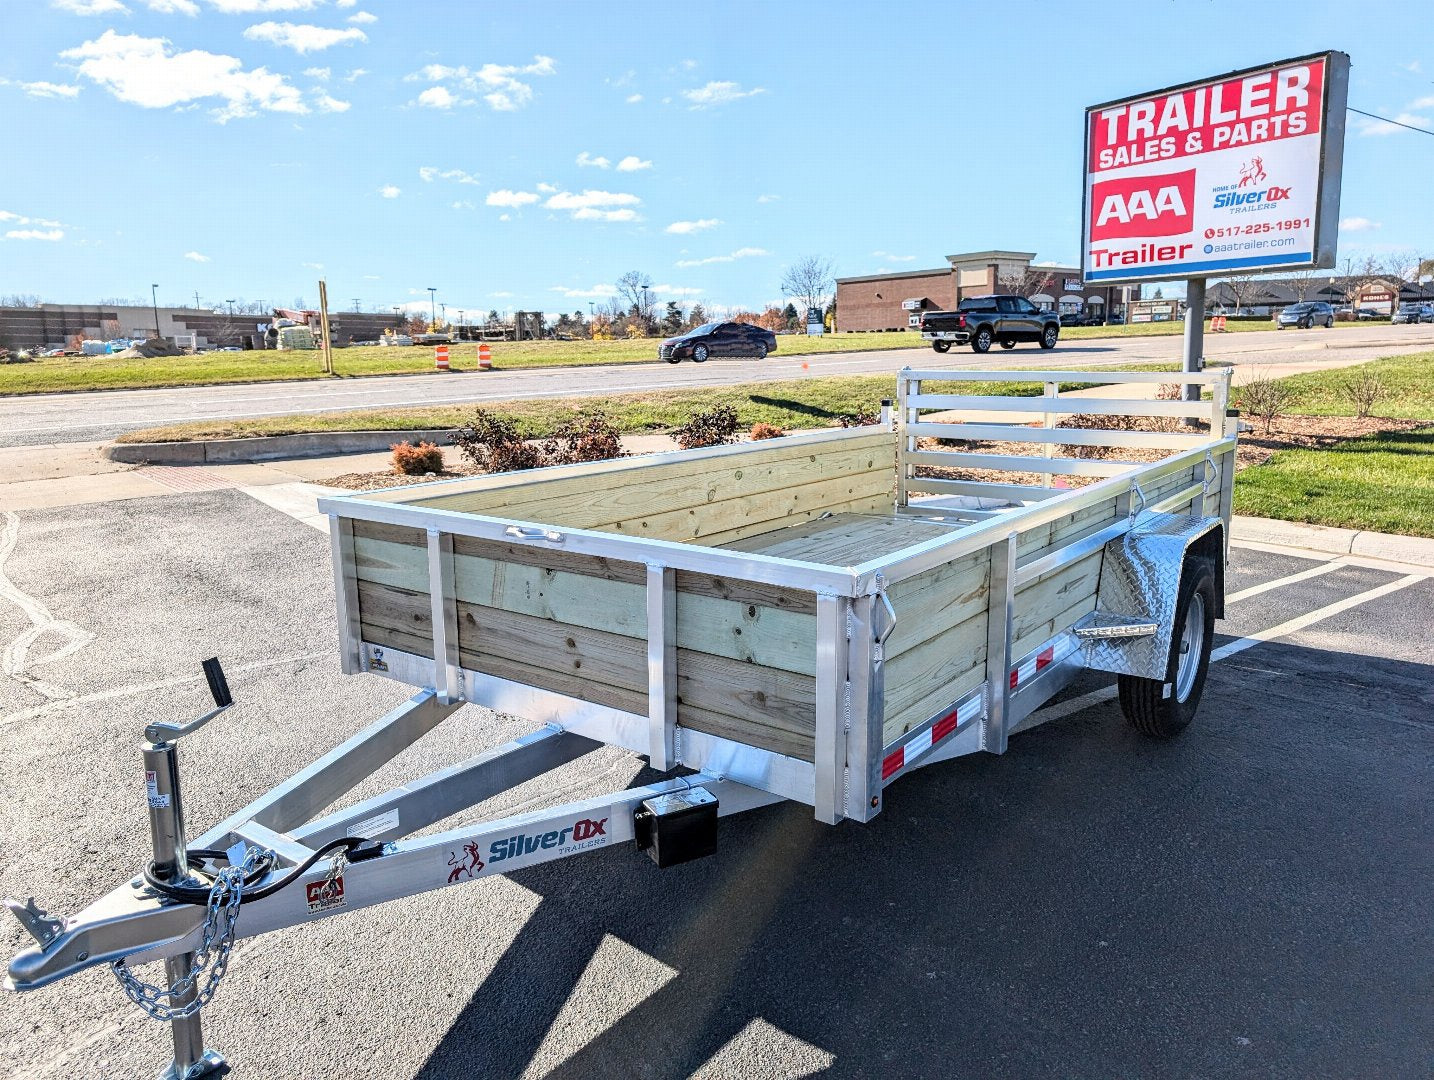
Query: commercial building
{"points": [[1266, 296], [55, 326], [895, 301]]}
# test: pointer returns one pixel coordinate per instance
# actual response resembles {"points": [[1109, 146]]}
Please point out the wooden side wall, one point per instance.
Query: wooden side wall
{"points": [[577, 625], [937, 652], [711, 500]]}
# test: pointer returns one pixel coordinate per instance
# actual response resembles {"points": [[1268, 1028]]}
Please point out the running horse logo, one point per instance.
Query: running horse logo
{"points": [[1253, 173], [467, 866]]}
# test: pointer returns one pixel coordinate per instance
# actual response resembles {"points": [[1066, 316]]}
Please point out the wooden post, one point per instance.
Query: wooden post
{"points": [[324, 327]]}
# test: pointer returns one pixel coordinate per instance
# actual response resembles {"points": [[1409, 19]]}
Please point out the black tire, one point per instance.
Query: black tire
{"points": [[1143, 701], [1305, 324], [1328, 323], [1050, 336], [761, 350], [941, 346], [674, 359], [981, 342], [1007, 343], [700, 354]]}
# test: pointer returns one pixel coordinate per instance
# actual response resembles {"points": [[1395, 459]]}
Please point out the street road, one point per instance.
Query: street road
{"points": [[87, 417], [1251, 899]]}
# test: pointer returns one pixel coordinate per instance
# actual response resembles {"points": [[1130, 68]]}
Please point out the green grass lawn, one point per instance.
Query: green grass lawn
{"points": [[1383, 482], [1409, 380], [104, 373]]}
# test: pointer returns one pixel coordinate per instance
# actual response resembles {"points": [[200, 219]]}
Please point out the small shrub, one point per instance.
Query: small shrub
{"points": [[494, 444], [712, 427], [416, 459], [766, 431], [1364, 389], [587, 437], [1266, 398], [861, 418]]}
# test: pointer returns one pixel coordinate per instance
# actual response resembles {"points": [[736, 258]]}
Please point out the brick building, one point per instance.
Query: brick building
{"points": [[895, 301]]}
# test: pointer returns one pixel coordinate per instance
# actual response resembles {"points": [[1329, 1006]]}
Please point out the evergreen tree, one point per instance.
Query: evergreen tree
{"points": [[697, 316], [672, 321], [789, 313]]}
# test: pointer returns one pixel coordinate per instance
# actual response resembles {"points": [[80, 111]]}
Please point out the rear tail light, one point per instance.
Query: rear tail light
{"points": [[963, 322]]}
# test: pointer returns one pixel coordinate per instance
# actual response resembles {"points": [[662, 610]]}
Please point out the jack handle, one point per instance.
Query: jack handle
{"points": [[162, 731]]}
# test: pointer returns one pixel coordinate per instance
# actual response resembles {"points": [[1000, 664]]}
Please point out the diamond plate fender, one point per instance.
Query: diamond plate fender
{"points": [[1140, 578]]}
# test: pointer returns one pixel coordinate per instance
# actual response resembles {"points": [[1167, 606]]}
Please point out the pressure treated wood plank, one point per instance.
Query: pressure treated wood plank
{"points": [[843, 539], [862, 504], [631, 490], [750, 731], [937, 697], [932, 602]]}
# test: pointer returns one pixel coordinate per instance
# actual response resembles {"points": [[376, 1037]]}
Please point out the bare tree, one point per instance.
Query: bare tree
{"points": [[1403, 266], [1026, 280], [21, 300], [635, 289], [810, 281], [1300, 284], [1240, 288], [1359, 276]]}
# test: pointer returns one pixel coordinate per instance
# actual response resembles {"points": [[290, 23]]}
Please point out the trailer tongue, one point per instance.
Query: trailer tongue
{"points": [[807, 619]]}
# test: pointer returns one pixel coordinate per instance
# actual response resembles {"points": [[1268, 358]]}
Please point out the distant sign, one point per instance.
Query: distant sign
{"points": [[911, 305], [1074, 284], [814, 322], [1236, 173]]}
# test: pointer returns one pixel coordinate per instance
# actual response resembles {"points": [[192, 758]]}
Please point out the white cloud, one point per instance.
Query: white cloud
{"points": [[740, 253], [388, 191], [345, 3], [587, 213], [505, 217], [677, 290], [50, 90], [633, 99], [1357, 224], [595, 293], [437, 97], [194, 256], [682, 228], [461, 204], [504, 197], [632, 163], [363, 18], [719, 93], [35, 234], [312, 266], [253, 7], [910, 258], [91, 7], [1422, 103], [428, 174], [173, 7], [768, 198], [500, 295], [586, 160], [148, 73], [547, 189], [301, 37], [331, 104], [1369, 126], [372, 277], [498, 84], [322, 74], [21, 219], [356, 74], [567, 200]]}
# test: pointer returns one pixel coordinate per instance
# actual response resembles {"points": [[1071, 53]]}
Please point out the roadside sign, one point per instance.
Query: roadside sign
{"points": [[814, 322], [1238, 173]]}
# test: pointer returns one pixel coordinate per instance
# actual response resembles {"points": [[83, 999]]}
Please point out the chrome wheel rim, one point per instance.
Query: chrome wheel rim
{"points": [[1192, 637]]}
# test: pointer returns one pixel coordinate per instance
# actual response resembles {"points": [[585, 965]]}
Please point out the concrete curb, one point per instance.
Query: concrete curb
{"points": [[269, 447], [1416, 550]]}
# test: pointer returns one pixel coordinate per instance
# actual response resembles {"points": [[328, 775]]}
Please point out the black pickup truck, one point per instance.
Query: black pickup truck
{"points": [[982, 320]]}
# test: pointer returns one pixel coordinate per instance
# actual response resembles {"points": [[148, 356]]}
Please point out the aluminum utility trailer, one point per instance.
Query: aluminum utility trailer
{"points": [[806, 618]]}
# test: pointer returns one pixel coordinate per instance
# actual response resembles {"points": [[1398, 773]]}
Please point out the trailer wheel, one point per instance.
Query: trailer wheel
{"points": [[941, 346], [982, 341], [1144, 701]]}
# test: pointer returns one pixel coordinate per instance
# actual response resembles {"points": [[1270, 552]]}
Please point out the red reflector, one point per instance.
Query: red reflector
{"points": [[892, 763], [943, 727]]}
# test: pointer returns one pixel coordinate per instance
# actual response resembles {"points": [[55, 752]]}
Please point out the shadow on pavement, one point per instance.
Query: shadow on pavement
{"points": [[1249, 899]]}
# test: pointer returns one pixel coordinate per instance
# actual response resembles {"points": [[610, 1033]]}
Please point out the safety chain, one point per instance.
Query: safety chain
{"points": [[220, 916]]}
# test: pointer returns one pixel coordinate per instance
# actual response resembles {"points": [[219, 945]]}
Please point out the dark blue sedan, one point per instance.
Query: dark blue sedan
{"points": [[718, 339]]}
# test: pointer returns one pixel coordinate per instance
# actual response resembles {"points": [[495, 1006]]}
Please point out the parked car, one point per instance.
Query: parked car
{"points": [[1305, 315], [1414, 313], [718, 339], [1368, 313]]}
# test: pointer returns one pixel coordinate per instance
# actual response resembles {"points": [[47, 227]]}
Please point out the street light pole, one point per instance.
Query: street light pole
{"points": [[154, 300], [432, 306]]}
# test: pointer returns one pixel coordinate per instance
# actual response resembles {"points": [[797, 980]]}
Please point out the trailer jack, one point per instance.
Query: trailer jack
{"points": [[274, 864]]}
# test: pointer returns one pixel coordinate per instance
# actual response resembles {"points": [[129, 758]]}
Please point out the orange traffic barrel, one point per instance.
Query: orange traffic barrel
{"points": [[485, 358], [440, 357]]}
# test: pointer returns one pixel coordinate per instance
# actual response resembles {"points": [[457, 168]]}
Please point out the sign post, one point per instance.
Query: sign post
{"points": [[1235, 174]]}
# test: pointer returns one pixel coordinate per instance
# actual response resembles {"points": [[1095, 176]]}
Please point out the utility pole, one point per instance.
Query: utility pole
{"points": [[196, 299], [432, 306], [324, 326], [356, 305], [154, 300]]}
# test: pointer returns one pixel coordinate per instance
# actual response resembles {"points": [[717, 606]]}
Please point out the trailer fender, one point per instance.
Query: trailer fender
{"points": [[1130, 630]]}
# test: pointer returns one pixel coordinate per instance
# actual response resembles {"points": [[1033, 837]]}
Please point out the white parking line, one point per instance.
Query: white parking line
{"points": [[1107, 693], [1303, 575], [1301, 621]]}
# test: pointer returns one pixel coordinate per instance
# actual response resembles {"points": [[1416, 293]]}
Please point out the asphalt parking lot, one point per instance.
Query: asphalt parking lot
{"points": [[1252, 899]]}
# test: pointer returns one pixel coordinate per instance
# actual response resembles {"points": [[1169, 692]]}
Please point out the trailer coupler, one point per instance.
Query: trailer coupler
{"points": [[343, 862]]}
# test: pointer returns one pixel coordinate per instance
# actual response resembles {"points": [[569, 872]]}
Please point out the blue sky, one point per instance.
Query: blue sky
{"points": [[527, 154]]}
